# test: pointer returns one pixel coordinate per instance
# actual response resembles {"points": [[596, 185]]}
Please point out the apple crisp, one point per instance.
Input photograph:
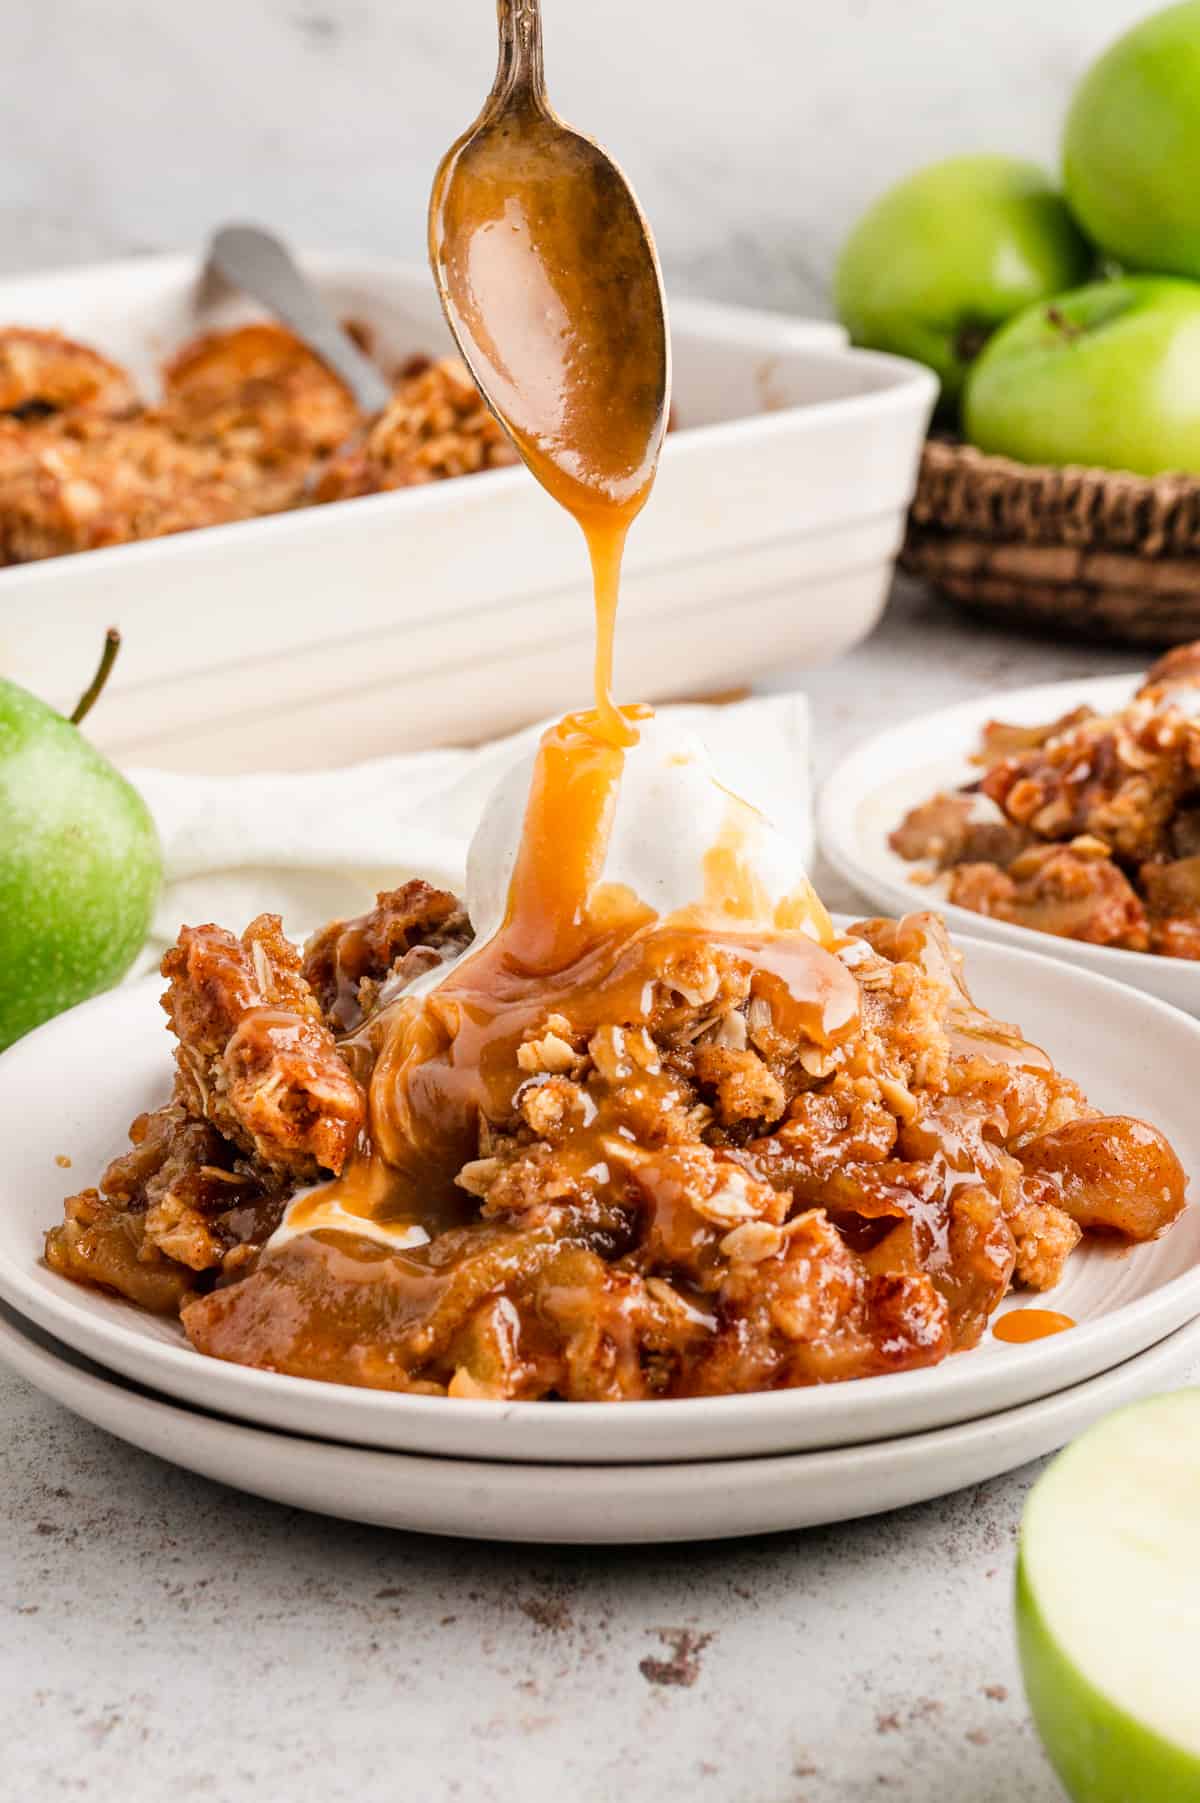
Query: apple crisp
{"points": [[716, 1167], [1087, 827], [250, 422]]}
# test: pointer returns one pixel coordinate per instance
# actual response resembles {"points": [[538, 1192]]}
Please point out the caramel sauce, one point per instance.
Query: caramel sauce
{"points": [[551, 284], [574, 945], [981, 1037], [550, 279], [732, 885], [360, 1197], [1025, 1324]]}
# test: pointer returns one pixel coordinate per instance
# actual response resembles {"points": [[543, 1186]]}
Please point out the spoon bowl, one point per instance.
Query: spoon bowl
{"points": [[550, 282]]}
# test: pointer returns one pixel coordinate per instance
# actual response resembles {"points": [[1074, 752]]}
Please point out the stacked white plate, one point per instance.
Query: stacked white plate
{"points": [[599, 1472]]}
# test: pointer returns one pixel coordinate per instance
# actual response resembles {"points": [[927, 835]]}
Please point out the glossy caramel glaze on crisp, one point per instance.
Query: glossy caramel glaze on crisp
{"points": [[706, 1189]]}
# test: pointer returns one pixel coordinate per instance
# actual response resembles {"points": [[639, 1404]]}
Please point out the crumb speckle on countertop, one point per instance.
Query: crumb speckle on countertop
{"points": [[682, 1668], [318, 27], [550, 1612]]}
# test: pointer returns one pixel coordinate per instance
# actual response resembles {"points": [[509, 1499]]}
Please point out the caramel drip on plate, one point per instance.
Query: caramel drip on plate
{"points": [[1025, 1324]]}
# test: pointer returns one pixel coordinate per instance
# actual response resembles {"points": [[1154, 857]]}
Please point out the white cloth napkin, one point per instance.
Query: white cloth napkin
{"points": [[316, 846]]}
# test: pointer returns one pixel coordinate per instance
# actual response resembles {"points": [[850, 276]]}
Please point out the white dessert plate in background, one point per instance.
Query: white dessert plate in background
{"points": [[71, 1088], [455, 611], [870, 792], [586, 1504]]}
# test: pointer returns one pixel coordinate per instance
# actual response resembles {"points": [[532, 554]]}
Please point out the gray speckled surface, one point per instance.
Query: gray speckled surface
{"points": [[163, 1637], [754, 135]]}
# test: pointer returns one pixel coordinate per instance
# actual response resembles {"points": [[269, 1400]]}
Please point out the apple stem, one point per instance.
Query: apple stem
{"points": [[1060, 322], [970, 340], [108, 657]]}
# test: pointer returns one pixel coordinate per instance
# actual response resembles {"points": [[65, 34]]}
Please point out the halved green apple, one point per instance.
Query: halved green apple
{"points": [[1108, 1606]]}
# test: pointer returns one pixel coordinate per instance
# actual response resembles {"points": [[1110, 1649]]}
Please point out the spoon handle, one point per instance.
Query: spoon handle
{"points": [[259, 264], [519, 71]]}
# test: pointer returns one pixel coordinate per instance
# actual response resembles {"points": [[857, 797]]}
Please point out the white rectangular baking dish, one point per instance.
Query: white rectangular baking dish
{"points": [[452, 612]]}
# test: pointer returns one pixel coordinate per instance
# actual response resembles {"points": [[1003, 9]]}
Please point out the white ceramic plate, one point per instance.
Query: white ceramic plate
{"points": [[581, 1503], [871, 791], [71, 1087]]}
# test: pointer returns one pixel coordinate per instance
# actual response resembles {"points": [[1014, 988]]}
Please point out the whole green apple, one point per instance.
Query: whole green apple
{"points": [[1131, 153], [949, 254], [79, 865], [1108, 1606], [1108, 375]]}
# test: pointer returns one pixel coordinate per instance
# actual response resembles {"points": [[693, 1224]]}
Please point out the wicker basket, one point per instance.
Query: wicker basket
{"points": [[1097, 552]]}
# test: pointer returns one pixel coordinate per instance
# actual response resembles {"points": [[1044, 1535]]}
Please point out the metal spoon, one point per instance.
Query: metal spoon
{"points": [[550, 283], [260, 265]]}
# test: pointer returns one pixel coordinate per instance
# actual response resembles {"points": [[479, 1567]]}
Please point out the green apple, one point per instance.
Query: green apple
{"points": [[1108, 1606], [1131, 152], [79, 863], [1108, 375], [949, 254]]}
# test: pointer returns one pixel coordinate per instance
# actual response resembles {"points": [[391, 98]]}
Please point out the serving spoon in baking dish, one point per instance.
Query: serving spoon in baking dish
{"points": [[551, 285], [261, 265]]}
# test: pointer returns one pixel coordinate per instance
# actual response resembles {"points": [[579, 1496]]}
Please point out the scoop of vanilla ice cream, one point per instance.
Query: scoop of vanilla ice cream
{"points": [[671, 812]]}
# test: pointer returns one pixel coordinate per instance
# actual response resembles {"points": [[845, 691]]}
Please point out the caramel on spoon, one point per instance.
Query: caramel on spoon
{"points": [[550, 282]]}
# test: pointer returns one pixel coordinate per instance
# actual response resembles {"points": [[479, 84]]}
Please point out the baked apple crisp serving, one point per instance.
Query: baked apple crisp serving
{"points": [[1087, 827], [249, 422], [649, 1127]]}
